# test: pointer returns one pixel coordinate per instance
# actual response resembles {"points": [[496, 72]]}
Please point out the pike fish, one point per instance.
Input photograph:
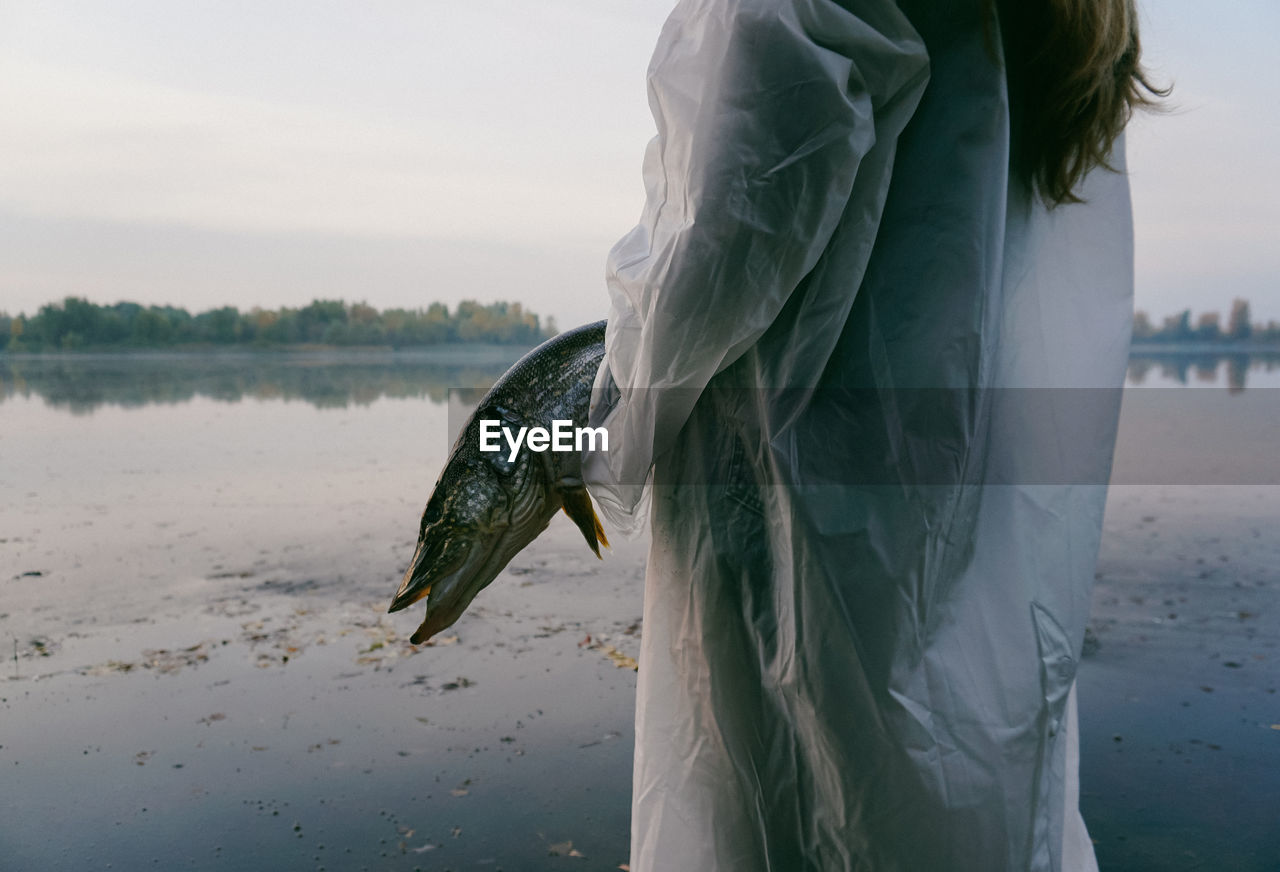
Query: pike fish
{"points": [[487, 506]]}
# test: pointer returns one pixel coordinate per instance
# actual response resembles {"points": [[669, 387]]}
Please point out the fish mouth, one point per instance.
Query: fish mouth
{"points": [[428, 567], [448, 582], [454, 562]]}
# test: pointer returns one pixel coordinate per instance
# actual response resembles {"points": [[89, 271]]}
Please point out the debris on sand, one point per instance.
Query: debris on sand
{"points": [[618, 658], [36, 646], [164, 661], [385, 645], [621, 659], [565, 849]]}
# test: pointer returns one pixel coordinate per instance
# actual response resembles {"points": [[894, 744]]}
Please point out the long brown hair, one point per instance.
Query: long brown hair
{"points": [[1075, 78]]}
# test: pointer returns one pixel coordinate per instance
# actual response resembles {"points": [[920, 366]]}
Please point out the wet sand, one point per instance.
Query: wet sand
{"points": [[271, 715], [1180, 715], [204, 675]]}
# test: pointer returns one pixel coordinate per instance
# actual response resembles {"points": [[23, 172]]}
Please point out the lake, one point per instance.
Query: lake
{"points": [[197, 553]]}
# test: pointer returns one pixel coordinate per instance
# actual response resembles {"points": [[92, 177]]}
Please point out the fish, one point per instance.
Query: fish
{"points": [[487, 506]]}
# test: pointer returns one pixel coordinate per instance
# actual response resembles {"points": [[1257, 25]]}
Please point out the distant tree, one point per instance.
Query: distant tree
{"points": [[260, 322], [1238, 326], [1177, 328], [362, 313], [438, 323], [315, 319], [473, 321], [1142, 328], [16, 328], [151, 327], [181, 327], [288, 327], [220, 326], [1207, 328], [77, 323]]}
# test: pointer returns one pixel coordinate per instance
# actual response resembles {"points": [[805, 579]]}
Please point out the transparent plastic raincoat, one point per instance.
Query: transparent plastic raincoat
{"points": [[847, 349]]}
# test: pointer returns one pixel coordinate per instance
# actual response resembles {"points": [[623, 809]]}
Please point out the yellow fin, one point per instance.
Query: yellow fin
{"points": [[577, 505]]}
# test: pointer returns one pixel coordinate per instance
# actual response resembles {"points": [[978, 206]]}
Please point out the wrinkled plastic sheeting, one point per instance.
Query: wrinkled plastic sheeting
{"points": [[841, 672]]}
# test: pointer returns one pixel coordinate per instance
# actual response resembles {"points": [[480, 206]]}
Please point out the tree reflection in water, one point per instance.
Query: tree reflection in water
{"points": [[1208, 369], [83, 383]]}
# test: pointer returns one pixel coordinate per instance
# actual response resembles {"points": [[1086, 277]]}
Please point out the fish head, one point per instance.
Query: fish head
{"points": [[471, 527]]}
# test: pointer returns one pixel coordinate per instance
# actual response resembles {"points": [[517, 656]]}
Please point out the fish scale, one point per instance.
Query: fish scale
{"points": [[485, 508]]}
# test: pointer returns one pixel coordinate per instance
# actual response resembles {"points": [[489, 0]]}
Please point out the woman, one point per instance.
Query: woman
{"points": [[884, 246]]}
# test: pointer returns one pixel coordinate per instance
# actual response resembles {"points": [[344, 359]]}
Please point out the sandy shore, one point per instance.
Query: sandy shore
{"points": [[269, 712], [1180, 716]]}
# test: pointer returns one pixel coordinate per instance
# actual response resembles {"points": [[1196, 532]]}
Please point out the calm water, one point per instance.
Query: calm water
{"points": [[196, 554]]}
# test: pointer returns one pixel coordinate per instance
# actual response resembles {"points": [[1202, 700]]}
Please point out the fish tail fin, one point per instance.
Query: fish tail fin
{"points": [[577, 505]]}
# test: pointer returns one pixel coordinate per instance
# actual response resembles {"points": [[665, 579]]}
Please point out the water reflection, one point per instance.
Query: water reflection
{"points": [[1201, 369], [83, 383]]}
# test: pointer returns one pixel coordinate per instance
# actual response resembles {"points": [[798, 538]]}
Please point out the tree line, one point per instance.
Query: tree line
{"points": [[77, 324], [1208, 327]]}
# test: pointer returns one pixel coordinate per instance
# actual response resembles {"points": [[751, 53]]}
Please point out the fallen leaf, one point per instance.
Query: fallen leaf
{"points": [[620, 660]]}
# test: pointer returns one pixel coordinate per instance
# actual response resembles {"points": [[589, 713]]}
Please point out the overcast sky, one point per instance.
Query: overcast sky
{"points": [[267, 153]]}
